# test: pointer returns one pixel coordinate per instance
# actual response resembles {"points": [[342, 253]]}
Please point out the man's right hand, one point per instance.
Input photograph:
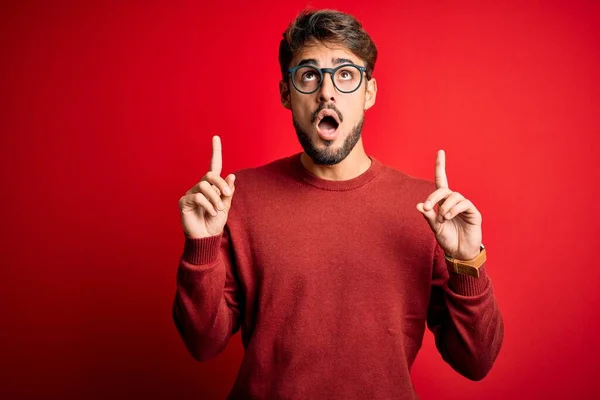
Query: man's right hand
{"points": [[205, 207]]}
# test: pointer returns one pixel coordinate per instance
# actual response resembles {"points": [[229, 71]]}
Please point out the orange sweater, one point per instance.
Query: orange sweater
{"points": [[332, 284]]}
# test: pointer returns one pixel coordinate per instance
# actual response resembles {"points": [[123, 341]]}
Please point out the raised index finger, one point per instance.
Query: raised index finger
{"points": [[216, 162], [441, 181]]}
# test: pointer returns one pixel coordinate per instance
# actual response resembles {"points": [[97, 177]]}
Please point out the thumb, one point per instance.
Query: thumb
{"points": [[230, 179], [430, 216]]}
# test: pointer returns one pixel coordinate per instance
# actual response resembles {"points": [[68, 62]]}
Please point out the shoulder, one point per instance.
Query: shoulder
{"points": [[263, 176], [258, 185], [407, 183], [264, 171]]}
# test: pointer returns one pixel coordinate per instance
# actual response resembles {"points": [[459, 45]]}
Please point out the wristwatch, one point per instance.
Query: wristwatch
{"points": [[470, 267]]}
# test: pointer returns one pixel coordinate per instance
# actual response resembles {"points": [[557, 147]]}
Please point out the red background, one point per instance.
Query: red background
{"points": [[106, 116]]}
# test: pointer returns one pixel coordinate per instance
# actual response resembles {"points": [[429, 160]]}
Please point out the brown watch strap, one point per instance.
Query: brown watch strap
{"points": [[470, 267]]}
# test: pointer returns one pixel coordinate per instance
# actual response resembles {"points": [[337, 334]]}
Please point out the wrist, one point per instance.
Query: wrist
{"points": [[465, 256], [467, 267]]}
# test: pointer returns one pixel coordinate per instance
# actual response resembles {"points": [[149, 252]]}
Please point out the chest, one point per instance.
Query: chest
{"points": [[310, 247]]}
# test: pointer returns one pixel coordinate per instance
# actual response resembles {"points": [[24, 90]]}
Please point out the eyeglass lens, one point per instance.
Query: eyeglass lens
{"points": [[308, 79]]}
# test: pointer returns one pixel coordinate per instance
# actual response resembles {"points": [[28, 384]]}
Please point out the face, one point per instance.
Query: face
{"points": [[328, 122]]}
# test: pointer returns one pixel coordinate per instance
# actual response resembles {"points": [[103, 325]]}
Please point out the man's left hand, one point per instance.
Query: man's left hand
{"points": [[457, 224]]}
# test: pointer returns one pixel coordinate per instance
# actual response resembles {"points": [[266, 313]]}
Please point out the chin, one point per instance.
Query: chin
{"points": [[328, 152]]}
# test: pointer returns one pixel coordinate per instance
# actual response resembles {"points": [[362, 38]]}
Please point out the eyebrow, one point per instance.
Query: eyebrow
{"points": [[335, 61], [342, 61]]}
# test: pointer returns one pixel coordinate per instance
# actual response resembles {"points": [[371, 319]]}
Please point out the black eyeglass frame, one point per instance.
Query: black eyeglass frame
{"points": [[322, 71]]}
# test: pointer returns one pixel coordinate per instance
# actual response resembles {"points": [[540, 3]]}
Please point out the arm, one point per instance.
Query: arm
{"points": [[206, 310], [465, 319]]}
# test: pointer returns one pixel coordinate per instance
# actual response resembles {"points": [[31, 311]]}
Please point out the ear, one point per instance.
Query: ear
{"points": [[284, 94], [371, 93]]}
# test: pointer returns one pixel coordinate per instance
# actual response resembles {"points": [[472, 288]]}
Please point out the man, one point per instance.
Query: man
{"points": [[322, 259]]}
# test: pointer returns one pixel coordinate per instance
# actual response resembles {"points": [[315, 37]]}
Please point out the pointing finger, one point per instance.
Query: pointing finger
{"points": [[441, 181], [216, 163]]}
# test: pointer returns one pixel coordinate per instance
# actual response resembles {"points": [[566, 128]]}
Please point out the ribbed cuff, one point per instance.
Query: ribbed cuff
{"points": [[201, 251], [468, 285]]}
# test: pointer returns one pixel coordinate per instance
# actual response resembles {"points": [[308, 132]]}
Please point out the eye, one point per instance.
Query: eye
{"points": [[309, 76], [346, 74]]}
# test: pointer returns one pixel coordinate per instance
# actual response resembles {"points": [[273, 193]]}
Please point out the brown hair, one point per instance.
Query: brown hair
{"points": [[326, 26]]}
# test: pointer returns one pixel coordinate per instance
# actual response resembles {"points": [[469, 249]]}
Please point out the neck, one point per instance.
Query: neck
{"points": [[355, 164]]}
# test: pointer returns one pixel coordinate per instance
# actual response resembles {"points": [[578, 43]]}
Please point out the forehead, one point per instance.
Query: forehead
{"points": [[325, 54]]}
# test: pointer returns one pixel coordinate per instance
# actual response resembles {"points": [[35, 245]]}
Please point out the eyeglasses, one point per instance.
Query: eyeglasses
{"points": [[346, 78]]}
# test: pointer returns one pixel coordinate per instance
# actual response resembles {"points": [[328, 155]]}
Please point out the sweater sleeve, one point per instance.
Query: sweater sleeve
{"points": [[465, 319], [206, 309]]}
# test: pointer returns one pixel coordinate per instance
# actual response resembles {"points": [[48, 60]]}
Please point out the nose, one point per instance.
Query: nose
{"points": [[327, 90]]}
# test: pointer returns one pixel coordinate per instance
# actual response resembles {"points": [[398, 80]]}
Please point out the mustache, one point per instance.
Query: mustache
{"points": [[323, 106]]}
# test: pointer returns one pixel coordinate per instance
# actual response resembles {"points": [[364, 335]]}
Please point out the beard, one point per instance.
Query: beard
{"points": [[328, 155]]}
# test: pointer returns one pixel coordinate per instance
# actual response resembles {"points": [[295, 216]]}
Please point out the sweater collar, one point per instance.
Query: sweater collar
{"points": [[326, 184]]}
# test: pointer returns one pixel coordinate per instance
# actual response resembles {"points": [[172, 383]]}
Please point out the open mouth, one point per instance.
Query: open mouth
{"points": [[328, 125]]}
